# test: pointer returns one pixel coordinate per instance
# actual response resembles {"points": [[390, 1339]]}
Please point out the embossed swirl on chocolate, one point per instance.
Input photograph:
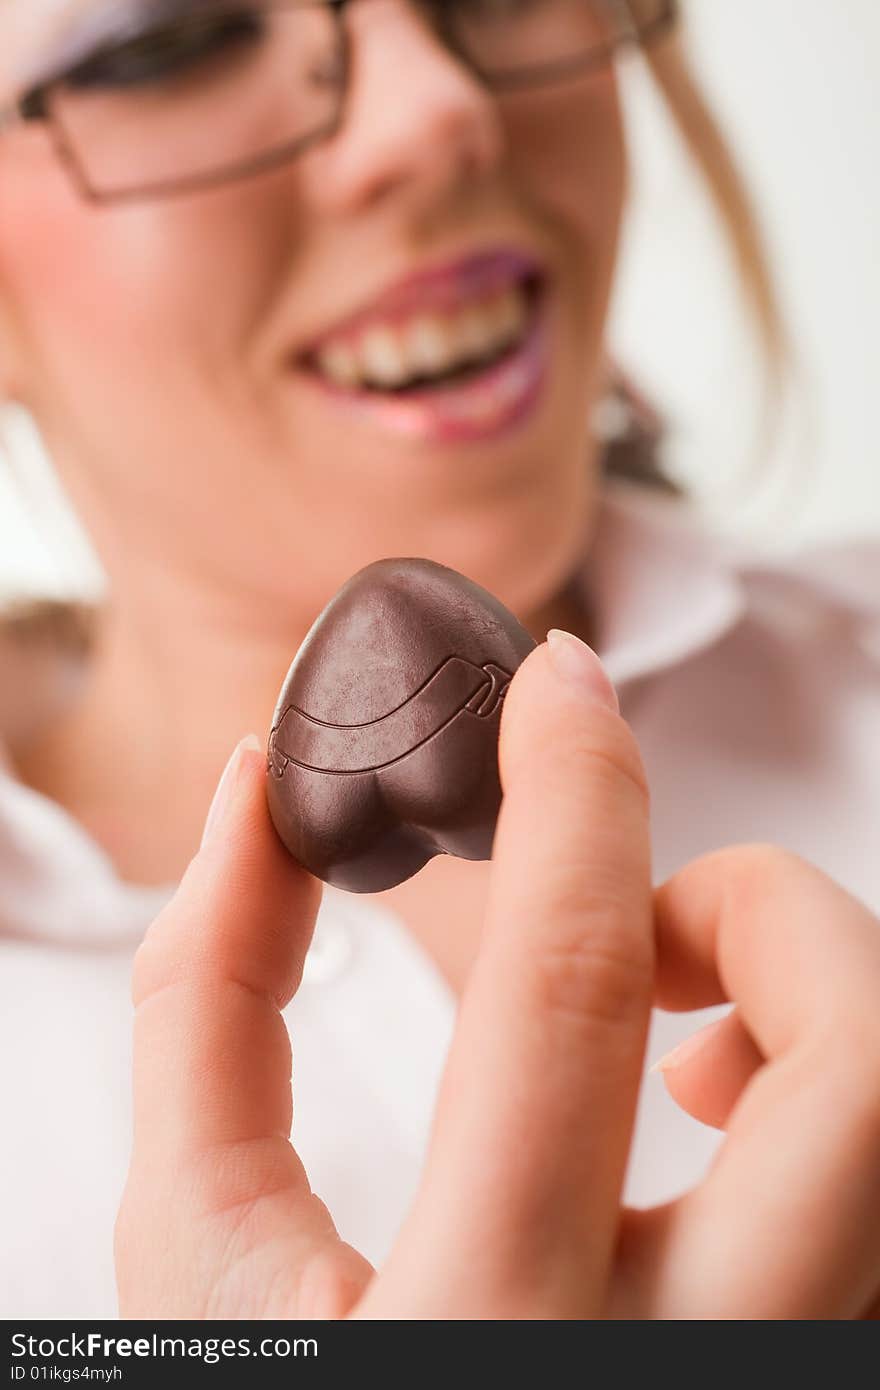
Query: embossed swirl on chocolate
{"points": [[384, 742]]}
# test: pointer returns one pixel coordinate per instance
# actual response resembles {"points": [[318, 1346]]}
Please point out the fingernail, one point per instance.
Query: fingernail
{"points": [[223, 796], [687, 1049], [578, 664]]}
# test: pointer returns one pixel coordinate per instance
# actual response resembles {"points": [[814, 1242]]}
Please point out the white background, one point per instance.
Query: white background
{"points": [[795, 84]]}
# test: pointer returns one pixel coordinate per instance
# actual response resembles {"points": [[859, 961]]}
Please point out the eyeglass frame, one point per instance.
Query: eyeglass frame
{"points": [[33, 104]]}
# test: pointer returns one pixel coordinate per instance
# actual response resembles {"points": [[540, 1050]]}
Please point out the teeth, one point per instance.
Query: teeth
{"points": [[428, 345], [510, 313], [339, 362], [476, 334], [382, 358]]}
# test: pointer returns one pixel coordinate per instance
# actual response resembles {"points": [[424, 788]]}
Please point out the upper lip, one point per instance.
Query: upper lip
{"points": [[440, 286]]}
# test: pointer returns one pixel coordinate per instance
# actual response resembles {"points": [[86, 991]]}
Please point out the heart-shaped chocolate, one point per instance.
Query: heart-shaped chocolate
{"points": [[384, 742]]}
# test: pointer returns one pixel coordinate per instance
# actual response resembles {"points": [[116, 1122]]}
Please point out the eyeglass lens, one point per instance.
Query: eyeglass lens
{"points": [[216, 87]]}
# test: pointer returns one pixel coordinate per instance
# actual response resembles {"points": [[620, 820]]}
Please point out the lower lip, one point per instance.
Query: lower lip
{"points": [[495, 403]]}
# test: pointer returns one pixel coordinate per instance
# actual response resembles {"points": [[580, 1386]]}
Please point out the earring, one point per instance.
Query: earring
{"points": [[631, 432]]}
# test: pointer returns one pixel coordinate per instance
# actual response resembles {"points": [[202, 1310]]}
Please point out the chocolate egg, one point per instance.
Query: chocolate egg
{"points": [[384, 743]]}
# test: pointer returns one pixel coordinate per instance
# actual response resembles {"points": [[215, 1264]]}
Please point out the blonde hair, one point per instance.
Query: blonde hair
{"points": [[72, 622], [713, 156]]}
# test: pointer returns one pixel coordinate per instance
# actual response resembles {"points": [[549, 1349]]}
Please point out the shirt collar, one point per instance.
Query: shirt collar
{"points": [[664, 587], [659, 587]]}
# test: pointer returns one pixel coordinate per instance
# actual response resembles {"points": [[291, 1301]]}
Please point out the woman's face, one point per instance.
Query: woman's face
{"points": [[168, 348]]}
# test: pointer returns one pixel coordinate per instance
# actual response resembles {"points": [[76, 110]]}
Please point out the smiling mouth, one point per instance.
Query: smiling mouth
{"points": [[433, 349]]}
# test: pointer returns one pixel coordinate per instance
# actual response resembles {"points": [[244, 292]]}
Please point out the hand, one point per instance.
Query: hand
{"points": [[518, 1213], [787, 1223]]}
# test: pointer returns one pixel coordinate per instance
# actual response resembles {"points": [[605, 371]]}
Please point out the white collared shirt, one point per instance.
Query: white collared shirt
{"points": [[753, 686]]}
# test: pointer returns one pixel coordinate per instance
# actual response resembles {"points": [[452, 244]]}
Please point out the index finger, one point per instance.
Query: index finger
{"points": [[537, 1105]]}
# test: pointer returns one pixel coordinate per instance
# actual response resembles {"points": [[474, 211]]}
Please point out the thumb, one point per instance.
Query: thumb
{"points": [[218, 1217]]}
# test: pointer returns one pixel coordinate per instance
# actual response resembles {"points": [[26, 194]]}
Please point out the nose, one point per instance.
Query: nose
{"points": [[416, 118]]}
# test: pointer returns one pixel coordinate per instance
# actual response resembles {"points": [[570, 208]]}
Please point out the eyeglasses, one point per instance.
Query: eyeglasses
{"points": [[159, 97]]}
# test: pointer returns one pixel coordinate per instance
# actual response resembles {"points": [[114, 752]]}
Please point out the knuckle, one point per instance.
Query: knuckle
{"points": [[142, 973], [163, 957], [751, 871], [616, 760], [151, 967], [599, 975], [597, 760], [775, 860], [762, 860]]}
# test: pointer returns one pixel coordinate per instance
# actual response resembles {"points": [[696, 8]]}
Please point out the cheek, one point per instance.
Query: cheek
{"points": [[568, 152], [69, 271], [95, 290]]}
